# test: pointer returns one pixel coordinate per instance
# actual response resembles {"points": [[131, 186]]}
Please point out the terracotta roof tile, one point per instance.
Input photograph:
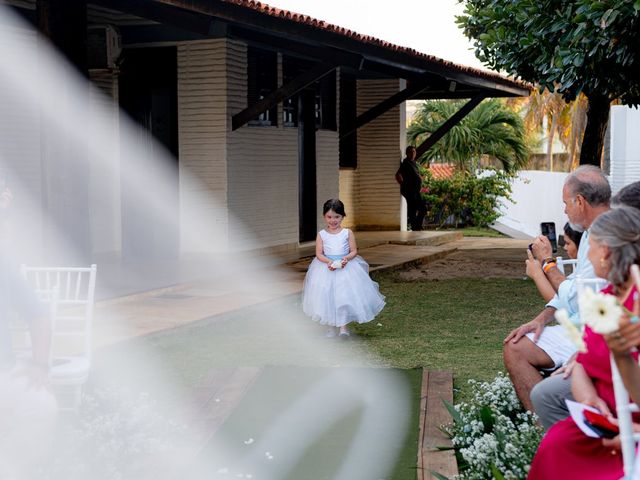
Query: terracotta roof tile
{"points": [[442, 170], [322, 25]]}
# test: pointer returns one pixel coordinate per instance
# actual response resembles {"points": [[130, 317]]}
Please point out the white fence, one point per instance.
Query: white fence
{"points": [[537, 198], [538, 195]]}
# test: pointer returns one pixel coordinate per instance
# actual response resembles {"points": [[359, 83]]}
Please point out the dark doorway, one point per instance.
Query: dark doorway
{"points": [[307, 164], [149, 94]]}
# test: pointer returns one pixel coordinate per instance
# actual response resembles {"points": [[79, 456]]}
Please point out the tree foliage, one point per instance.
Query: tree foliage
{"points": [[491, 129], [568, 46]]}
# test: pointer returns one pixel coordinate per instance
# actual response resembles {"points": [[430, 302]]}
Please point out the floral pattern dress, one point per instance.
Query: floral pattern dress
{"points": [[566, 452]]}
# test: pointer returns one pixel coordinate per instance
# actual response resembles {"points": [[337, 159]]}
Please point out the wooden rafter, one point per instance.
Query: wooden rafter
{"points": [[385, 105], [448, 125], [294, 86]]}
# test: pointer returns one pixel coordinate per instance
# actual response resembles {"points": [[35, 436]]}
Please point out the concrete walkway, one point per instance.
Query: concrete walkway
{"points": [[128, 316]]}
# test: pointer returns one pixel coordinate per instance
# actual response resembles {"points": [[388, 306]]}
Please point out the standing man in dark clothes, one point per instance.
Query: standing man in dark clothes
{"points": [[408, 176]]}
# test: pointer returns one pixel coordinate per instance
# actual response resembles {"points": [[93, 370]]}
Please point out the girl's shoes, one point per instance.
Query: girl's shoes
{"points": [[344, 333]]}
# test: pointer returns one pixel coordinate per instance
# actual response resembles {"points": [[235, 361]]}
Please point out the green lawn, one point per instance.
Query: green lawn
{"points": [[478, 232], [455, 325]]}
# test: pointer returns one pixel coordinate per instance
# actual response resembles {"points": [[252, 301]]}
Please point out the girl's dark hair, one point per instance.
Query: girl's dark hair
{"points": [[334, 204], [572, 234]]}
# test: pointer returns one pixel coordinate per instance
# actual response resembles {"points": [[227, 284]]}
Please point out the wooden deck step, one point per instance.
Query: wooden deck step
{"points": [[436, 387]]}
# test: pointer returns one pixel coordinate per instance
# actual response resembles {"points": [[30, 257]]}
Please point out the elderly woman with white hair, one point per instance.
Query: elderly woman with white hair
{"points": [[566, 452]]}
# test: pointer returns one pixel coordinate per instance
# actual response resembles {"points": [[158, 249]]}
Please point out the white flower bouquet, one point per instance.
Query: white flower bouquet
{"points": [[492, 435], [601, 312]]}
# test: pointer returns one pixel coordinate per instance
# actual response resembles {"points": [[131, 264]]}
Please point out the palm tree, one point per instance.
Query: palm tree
{"points": [[491, 130], [565, 120]]}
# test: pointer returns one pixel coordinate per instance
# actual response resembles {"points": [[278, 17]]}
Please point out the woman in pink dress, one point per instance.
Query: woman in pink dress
{"points": [[566, 452]]}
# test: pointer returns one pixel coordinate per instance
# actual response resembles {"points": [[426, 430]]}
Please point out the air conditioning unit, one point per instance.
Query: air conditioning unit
{"points": [[104, 47]]}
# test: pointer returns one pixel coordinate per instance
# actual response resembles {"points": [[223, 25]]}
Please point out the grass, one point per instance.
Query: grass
{"points": [[477, 232], [456, 325]]}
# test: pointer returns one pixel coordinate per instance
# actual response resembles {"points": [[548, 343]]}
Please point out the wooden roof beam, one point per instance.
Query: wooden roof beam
{"points": [[384, 106], [294, 86], [162, 12], [448, 125]]}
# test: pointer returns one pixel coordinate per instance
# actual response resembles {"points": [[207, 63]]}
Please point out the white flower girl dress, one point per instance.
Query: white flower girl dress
{"points": [[343, 295]]}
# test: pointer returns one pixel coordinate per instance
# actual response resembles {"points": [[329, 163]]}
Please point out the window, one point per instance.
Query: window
{"points": [[325, 94], [262, 73]]}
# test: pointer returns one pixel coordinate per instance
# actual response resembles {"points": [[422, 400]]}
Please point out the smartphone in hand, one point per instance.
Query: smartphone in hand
{"points": [[548, 229], [600, 424]]}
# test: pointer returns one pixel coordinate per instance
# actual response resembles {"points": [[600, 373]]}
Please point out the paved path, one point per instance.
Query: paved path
{"points": [[138, 314], [135, 315]]}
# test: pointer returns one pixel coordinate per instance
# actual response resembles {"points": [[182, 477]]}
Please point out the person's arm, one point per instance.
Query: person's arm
{"points": [[399, 178], [536, 326], [542, 251], [535, 273], [584, 391], [353, 249]]}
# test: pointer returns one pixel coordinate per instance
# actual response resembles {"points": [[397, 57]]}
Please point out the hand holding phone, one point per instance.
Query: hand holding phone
{"points": [[600, 424], [548, 229]]}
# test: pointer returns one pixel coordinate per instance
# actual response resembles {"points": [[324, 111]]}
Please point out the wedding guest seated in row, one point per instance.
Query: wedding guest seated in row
{"points": [[565, 451], [548, 397], [534, 346]]}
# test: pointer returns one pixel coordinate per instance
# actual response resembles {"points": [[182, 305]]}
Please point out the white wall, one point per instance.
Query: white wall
{"points": [[538, 198], [625, 146]]}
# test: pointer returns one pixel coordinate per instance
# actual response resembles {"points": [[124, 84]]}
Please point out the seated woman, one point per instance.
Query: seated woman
{"points": [[534, 267], [566, 452]]}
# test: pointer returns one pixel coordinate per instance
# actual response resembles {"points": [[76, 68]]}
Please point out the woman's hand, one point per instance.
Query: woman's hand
{"points": [[600, 404], [534, 267], [330, 266], [344, 261], [567, 368]]}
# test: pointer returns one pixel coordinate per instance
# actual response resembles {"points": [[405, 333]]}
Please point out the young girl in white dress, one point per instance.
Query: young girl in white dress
{"points": [[337, 288]]}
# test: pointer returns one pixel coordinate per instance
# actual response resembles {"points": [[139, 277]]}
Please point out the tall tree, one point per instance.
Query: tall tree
{"points": [[491, 129], [564, 120], [569, 46]]}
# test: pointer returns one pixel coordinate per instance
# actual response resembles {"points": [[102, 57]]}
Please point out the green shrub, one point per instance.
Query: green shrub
{"points": [[464, 199]]}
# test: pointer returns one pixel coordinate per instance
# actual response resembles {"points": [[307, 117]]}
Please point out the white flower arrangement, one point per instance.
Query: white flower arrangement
{"points": [[492, 435], [600, 311]]}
